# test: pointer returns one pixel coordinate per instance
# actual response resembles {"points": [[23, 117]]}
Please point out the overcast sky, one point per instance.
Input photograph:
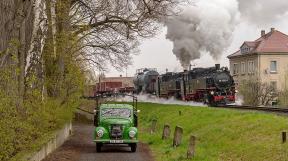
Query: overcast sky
{"points": [[158, 52]]}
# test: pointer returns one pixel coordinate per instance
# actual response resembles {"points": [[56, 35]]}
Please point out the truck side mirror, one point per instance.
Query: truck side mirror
{"points": [[96, 113], [136, 118]]}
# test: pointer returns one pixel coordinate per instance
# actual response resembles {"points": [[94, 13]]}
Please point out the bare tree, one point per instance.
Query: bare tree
{"points": [[109, 30], [256, 93], [283, 95]]}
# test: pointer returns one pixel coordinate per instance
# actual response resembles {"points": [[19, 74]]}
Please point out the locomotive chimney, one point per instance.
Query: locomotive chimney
{"points": [[217, 66], [262, 33]]}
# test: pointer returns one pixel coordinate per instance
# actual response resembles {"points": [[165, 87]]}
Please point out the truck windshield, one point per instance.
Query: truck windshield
{"points": [[116, 112]]}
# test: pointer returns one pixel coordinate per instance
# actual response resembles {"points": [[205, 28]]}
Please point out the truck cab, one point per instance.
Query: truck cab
{"points": [[116, 124]]}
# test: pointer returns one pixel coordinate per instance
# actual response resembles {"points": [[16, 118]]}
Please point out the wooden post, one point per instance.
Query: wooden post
{"points": [[191, 147], [283, 136], [153, 126], [166, 132], [177, 136]]}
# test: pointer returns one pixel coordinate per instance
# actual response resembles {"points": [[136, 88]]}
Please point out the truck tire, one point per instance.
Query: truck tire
{"points": [[133, 147], [98, 147]]}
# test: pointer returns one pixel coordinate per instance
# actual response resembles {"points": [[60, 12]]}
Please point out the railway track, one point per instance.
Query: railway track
{"points": [[283, 110], [258, 108]]}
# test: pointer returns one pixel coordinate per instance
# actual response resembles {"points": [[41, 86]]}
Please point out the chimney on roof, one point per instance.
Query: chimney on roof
{"points": [[262, 33], [272, 29], [217, 66]]}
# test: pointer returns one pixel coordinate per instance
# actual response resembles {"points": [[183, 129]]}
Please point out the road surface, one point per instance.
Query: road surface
{"points": [[80, 147]]}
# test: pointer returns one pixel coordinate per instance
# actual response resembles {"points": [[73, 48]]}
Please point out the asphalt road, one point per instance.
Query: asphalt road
{"points": [[80, 147]]}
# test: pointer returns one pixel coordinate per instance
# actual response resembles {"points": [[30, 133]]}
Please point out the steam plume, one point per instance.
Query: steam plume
{"points": [[263, 12], [207, 26], [154, 99]]}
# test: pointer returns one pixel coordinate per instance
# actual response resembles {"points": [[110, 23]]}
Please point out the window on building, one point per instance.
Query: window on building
{"points": [[235, 68], [251, 67], [248, 67], [243, 67], [245, 49], [273, 66], [274, 85]]}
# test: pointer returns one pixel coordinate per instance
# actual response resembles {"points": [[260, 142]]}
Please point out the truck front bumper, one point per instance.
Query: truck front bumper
{"points": [[108, 141]]}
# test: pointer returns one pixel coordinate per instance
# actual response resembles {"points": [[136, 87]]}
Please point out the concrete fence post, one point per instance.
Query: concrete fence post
{"points": [[166, 132], [191, 147], [177, 136], [283, 136], [153, 125]]}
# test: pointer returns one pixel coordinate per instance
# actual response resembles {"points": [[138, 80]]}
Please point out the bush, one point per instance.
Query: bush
{"points": [[256, 93], [26, 125]]}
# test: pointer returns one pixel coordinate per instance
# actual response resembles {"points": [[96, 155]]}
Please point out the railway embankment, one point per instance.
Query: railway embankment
{"points": [[221, 134]]}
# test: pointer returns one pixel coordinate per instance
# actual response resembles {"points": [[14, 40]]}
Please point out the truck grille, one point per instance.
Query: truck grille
{"points": [[116, 132]]}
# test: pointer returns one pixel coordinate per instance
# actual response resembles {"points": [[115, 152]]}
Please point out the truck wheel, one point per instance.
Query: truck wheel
{"points": [[98, 147], [133, 147]]}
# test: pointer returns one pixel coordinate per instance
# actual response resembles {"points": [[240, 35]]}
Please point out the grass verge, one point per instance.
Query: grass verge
{"points": [[222, 134]]}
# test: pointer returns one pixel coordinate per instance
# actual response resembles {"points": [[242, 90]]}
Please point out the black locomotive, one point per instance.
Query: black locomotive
{"points": [[213, 85], [145, 80]]}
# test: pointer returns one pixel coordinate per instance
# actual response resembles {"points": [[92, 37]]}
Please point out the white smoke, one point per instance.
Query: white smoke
{"points": [[263, 12], [239, 99], [154, 99], [207, 26]]}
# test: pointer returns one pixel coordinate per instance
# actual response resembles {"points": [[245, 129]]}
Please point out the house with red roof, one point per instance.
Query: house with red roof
{"points": [[265, 57]]}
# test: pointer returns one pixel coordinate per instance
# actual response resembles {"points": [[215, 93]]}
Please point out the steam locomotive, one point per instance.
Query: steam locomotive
{"points": [[213, 86], [145, 80]]}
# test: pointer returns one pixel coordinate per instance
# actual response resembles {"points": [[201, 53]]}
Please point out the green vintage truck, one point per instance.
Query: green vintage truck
{"points": [[116, 124]]}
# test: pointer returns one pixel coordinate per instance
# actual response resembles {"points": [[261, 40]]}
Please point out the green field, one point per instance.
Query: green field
{"points": [[222, 134]]}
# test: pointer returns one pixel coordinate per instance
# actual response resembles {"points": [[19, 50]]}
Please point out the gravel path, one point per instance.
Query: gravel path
{"points": [[81, 148]]}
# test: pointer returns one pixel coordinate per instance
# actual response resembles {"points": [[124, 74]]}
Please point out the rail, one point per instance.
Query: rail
{"points": [[258, 108]]}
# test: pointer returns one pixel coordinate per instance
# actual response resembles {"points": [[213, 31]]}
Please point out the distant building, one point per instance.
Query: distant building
{"points": [[266, 57], [114, 84]]}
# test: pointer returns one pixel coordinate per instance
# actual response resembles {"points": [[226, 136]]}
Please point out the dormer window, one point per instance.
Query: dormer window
{"points": [[245, 49]]}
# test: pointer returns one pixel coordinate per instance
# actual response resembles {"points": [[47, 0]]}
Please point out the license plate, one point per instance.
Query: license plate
{"points": [[116, 141]]}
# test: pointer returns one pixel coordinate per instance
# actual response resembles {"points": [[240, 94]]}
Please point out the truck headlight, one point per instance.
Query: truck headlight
{"points": [[212, 92], [100, 133], [132, 134]]}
